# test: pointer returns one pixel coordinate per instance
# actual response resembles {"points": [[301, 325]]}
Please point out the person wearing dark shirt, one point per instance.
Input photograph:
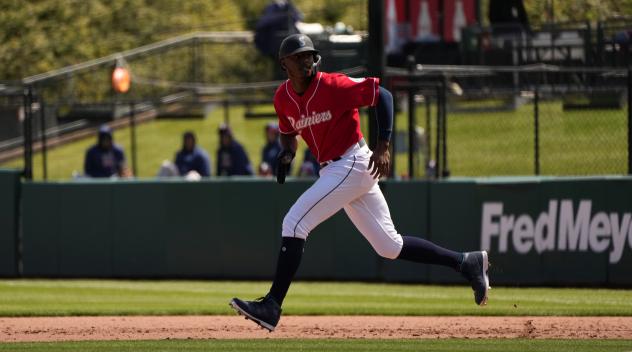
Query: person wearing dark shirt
{"points": [[192, 158], [279, 16], [232, 159], [508, 17], [105, 159], [270, 150], [310, 166]]}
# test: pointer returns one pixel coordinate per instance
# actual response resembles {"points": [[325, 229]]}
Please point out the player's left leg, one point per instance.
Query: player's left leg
{"points": [[370, 214]]}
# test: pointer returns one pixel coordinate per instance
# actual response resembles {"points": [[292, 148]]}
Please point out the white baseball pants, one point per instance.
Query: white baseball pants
{"points": [[347, 183]]}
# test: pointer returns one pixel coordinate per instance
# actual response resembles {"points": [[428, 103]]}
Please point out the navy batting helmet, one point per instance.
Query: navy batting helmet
{"points": [[294, 44]]}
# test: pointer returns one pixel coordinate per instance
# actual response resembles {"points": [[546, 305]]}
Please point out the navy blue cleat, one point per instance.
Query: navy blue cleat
{"points": [[264, 311], [474, 268]]}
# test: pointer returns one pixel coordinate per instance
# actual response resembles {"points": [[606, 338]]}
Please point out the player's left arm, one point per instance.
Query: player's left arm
{"points": [[380, 161]]}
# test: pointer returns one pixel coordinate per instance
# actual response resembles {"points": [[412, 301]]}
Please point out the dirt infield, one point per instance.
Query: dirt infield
{"points": [[234, 327]]}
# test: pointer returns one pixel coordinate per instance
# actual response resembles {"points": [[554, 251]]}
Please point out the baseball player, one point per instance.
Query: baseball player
{"points": [[323, 109]]}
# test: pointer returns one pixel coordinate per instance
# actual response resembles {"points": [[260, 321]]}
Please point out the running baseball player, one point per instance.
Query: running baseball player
{"points": [[323, 109]]}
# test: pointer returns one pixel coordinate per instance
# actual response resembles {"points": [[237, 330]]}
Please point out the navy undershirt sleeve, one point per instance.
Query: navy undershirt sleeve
{"points": [[384, 111]]}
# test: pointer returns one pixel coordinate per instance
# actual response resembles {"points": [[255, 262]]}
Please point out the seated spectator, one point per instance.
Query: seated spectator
{"points": [[105, 159], [264, 170], [310, 166], [279, 16], [168, 169], [622, 37], [231, 156], [192, 158], [270, 151]]}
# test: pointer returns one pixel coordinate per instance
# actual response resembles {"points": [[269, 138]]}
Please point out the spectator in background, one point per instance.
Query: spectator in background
{"points": [[270, 150], [310, 166], [279, 16], [508, 17], [232, 159], [622, 37], [105, 159], [192, 158]]}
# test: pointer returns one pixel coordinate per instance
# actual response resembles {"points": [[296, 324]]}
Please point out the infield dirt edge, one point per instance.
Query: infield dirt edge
{"points": [[33, 329]]}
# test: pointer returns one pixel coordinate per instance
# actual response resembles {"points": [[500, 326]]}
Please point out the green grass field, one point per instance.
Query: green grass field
{"points": [[110, 297], [329, 345], [575, 142], [583, 142]]}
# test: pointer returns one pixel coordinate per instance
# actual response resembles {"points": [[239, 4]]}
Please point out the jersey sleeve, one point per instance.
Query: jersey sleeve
{"points": [[357, 92], [285, 127]]}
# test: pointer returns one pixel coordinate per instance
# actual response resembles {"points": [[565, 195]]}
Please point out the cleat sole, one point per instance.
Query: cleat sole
{"points": [[261, 323]]}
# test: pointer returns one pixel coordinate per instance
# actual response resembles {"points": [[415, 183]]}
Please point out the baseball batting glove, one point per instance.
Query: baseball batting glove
{"points": [[283, 164]]}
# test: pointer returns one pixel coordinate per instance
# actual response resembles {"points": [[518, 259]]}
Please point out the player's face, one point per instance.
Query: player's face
{"points": [[225, 139], [106, 142], [189, 143], [271, 134], [298, 65]]}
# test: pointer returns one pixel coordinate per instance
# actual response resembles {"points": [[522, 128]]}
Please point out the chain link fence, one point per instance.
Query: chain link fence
{"points": [[13, 100], [513, 121]]}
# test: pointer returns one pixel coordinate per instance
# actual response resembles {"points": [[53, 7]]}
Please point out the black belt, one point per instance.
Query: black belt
{"points": [[361, 143]]}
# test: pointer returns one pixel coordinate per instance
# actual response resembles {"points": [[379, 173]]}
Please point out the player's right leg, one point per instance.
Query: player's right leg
{"points": [[339, 183], [370, 214]]}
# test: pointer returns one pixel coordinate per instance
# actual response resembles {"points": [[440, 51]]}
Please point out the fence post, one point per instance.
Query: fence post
{"points": [[393, 90], [226, 111], [193, 60], [43, 138], [428, 155], [132, 121], [412, 111], [629, 120], [445, 172], [536, 128], [438, 133], [28, 134], [376, 54]]}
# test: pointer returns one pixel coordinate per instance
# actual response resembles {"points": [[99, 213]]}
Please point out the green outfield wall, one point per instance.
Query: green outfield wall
{"points": [[539, 231], [9, 196]]}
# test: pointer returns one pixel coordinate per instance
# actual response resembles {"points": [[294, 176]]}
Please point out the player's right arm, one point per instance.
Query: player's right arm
{"points": [[284, 159], [288, 141]]}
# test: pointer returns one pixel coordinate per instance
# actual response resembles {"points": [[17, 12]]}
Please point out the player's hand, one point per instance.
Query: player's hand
{"points": [[380, 161], [284, 159]]}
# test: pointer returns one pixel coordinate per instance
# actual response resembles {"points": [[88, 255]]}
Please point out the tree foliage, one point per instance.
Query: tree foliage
{"points": [[39, 35], [541, 12]]}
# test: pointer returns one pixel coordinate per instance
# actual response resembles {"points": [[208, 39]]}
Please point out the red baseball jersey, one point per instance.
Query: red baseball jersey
{"points": [[326, 115]]}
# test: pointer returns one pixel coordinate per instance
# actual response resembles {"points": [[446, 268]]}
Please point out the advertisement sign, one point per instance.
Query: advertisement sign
{"points": [[560, 231]]}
